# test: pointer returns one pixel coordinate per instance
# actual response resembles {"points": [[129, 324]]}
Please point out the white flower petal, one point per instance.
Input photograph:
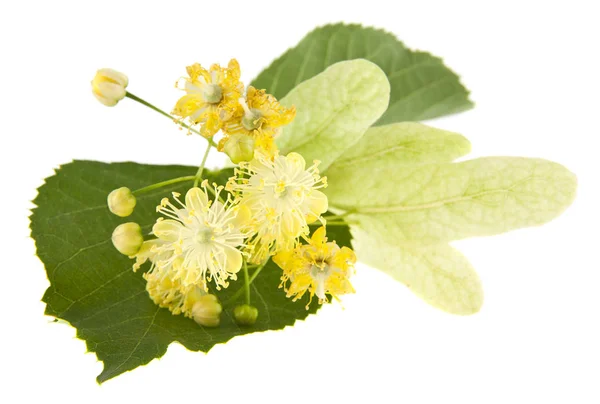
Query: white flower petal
{"points": [[168, 230], [196, 199]]}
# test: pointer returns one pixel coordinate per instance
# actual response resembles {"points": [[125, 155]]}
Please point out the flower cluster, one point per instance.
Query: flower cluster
{"points": [[264, 210], [283, 197], [214, 100], [319, 268]]}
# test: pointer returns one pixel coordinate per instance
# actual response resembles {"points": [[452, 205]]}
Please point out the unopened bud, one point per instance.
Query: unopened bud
{"points": [[207, 311], [127, 238], [239, 148], [121, 202], [109, 86], [245, 314]]}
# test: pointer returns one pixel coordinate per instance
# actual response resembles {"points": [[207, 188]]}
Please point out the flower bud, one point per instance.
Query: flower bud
{"points": [[207, 311], [239, 148], [109, 86], [127, 238], [245, 314], [121, 202]]}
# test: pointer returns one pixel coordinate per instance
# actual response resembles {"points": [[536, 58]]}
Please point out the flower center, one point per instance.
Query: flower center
{"points": [[204, 235], [281, 189], [251, 119], [320, 272], [212, 93]]}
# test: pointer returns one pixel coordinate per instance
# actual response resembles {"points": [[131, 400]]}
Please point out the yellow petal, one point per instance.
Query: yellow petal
{"points": [[291, 226], [283, 258], [110, 90], [319, 236], [196, 200], [168, 230], [348, 255], [243, 216], [233, 260], [212, 125], [317, 203], [188, 105], [234, 69], [296, 160]]}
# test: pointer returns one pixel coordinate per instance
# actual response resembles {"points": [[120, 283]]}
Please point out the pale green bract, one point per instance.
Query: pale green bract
{"points": [[335, 108], [439, 274], [449, 201], [404, 143]]}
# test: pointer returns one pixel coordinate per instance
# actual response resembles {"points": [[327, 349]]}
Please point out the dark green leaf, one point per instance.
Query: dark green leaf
{"points": [[93, 287], [422, 86]]}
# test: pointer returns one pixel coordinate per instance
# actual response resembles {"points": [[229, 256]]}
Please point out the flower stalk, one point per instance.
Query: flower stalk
{"points": [[160, 111]]}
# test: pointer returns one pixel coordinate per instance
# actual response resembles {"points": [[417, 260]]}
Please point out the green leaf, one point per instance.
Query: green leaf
{"points": [[439, 274], [450, 201], [404, 143], [422, 86], [93, 287], [335, 108]]}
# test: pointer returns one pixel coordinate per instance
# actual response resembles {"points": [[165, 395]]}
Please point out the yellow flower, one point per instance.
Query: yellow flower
{"points": [[282, 196], [260, 117], [319, 268], [109, 86], [199, 241], [171, 294], [212, 96]]}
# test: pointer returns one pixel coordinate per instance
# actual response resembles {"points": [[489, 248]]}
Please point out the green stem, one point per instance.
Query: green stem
{"points": [[163, 184], [242, 290], [247, 283], [201, 168], [160, 111]]}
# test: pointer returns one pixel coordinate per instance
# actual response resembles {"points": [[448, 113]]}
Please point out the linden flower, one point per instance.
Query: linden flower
{"points": [[171, 294], [212, 96], [319, 268], [282, 197], [198, 243], [261, 118]]}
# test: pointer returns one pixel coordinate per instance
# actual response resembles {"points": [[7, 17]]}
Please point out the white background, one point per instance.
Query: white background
{"points": [[532, 70]]}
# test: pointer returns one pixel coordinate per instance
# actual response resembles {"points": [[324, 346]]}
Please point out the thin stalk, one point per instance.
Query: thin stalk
{"points": [[163, 184], [247, 283], [242, 290], [160, 111], [201, 168]]}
